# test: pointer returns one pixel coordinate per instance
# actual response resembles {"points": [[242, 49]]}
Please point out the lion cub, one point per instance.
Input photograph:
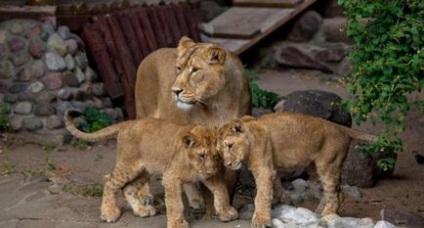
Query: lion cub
{"points": [[182, 153], [287, 141]]}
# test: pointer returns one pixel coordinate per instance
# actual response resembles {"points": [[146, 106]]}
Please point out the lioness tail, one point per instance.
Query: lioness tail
{"points": [[102, 134], [360, 135]]}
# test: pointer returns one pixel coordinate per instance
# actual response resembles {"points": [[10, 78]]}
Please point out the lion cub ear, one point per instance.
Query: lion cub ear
{"points": [[215, 55], [189, 140], [237, 127], [184, 44]]}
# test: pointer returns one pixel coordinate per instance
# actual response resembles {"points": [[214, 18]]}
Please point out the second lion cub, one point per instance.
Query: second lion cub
{"points": [[287, 141], [182, 153]]}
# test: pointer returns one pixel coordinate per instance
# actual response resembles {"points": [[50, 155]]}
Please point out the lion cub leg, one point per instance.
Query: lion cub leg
{"points": [[330, 180], [174, 202], [114, 182], [221, 199], [265, 181], [139, 206]]}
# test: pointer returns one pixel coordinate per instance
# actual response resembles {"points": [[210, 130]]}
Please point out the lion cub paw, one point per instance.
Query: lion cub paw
{"points": [[261, 221], [144, 210], [110, 214], [179, 223], [196, 203], [228, 214]]}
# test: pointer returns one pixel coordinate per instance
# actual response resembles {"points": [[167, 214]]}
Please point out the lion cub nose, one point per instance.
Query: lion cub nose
{"points": [[177, 91]]}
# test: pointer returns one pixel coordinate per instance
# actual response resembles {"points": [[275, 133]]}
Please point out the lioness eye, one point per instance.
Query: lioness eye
{"points": [[178, 68], [230, 146], [194, 70], [201, 156]]}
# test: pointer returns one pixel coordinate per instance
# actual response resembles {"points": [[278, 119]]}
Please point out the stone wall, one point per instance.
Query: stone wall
{"points": [[43, 72]]}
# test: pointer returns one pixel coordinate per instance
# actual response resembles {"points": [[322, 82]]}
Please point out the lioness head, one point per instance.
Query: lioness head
{"points": [[200, 147], [233, 144], [200, 72]]}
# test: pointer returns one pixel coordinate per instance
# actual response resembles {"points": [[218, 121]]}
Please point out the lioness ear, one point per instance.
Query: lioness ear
{"points": [[215, 55], [189, 140], [184, 44]]}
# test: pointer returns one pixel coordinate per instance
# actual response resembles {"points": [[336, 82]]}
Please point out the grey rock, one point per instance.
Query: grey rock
{"points": [[45, 96], [305, 27], [334, 30], [79, 105], [53, 80], [34, 32], [48, 28], [402, 218], [111, 113], [62, 107], [246, 211], [37, 69], [80, 75], [71, 46], [297, 217], [383, 224], [98, 89], [79, 95], [258, 112], [70, 63], [16, 44], [16, 122], [296, 197], [335, 221], [17, 88], [55, 188], [120, 114], [97, 103], [3, 36], [70, 79], [64, 32], [315, 103], [10, 97], [25, 96], [300, 185], [54, 62], [23, 108], [90, 74], [3, 51], [57, 44], [33, 124], [87, 88], [107, 102], [334, 53], [351, 191], [44, 109], [81, 60], [276, 223], [21, 58], [359, 169], [16, 28], [54, 122], [36, 48], [7, 70], [36, 87], [24, 74], [64, 94]]}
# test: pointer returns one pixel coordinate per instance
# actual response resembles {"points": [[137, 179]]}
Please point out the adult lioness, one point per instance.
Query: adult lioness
{"points": [[182, 153], [287, 141], [200, 83]]}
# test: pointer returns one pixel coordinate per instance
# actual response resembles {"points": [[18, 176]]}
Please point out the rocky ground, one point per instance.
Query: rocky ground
{"points": [[44, 186]]}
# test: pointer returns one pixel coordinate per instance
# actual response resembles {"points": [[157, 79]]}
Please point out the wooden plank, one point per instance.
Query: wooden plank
{"points": [[232, 45], [268, 3], [239, 47], [27, 11], [245, 22]]}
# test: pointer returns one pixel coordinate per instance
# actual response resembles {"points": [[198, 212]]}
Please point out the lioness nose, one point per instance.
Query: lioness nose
{"points": [[177, 91]]}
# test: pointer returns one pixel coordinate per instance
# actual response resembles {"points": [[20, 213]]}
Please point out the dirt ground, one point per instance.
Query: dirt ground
{"points": [[78, 169]]}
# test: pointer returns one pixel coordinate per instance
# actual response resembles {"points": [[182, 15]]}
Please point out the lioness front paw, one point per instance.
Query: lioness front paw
{"points": [[179, 223], [110, 214], [228, 214], [144, 210], [147, 199], [261, 221]]}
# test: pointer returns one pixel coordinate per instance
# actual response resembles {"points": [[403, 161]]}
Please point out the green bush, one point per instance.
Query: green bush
{"points": [[4, 116], [388, 64], [260, 98], [95, 120]]}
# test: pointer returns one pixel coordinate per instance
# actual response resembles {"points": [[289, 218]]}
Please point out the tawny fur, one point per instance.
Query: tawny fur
{"points": [[288, 141], [181, 153], [213, 87]]}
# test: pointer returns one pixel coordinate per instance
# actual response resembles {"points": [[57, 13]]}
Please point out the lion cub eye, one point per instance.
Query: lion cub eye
{"points": [[201, 156], [194, 69], [230, 146], [178, 68]]}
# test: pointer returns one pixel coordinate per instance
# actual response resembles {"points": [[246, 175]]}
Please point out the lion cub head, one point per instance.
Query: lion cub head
{"points": [[233, 144], [199, 146], [200, 73]]}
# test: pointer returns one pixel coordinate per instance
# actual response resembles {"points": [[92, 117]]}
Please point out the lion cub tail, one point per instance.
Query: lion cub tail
{"points": [[102, 134], [360, 135]]}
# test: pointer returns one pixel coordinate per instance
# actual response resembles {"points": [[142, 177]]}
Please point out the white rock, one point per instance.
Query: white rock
{"points": [[383, 224], [277, 223], [300, 185]]}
